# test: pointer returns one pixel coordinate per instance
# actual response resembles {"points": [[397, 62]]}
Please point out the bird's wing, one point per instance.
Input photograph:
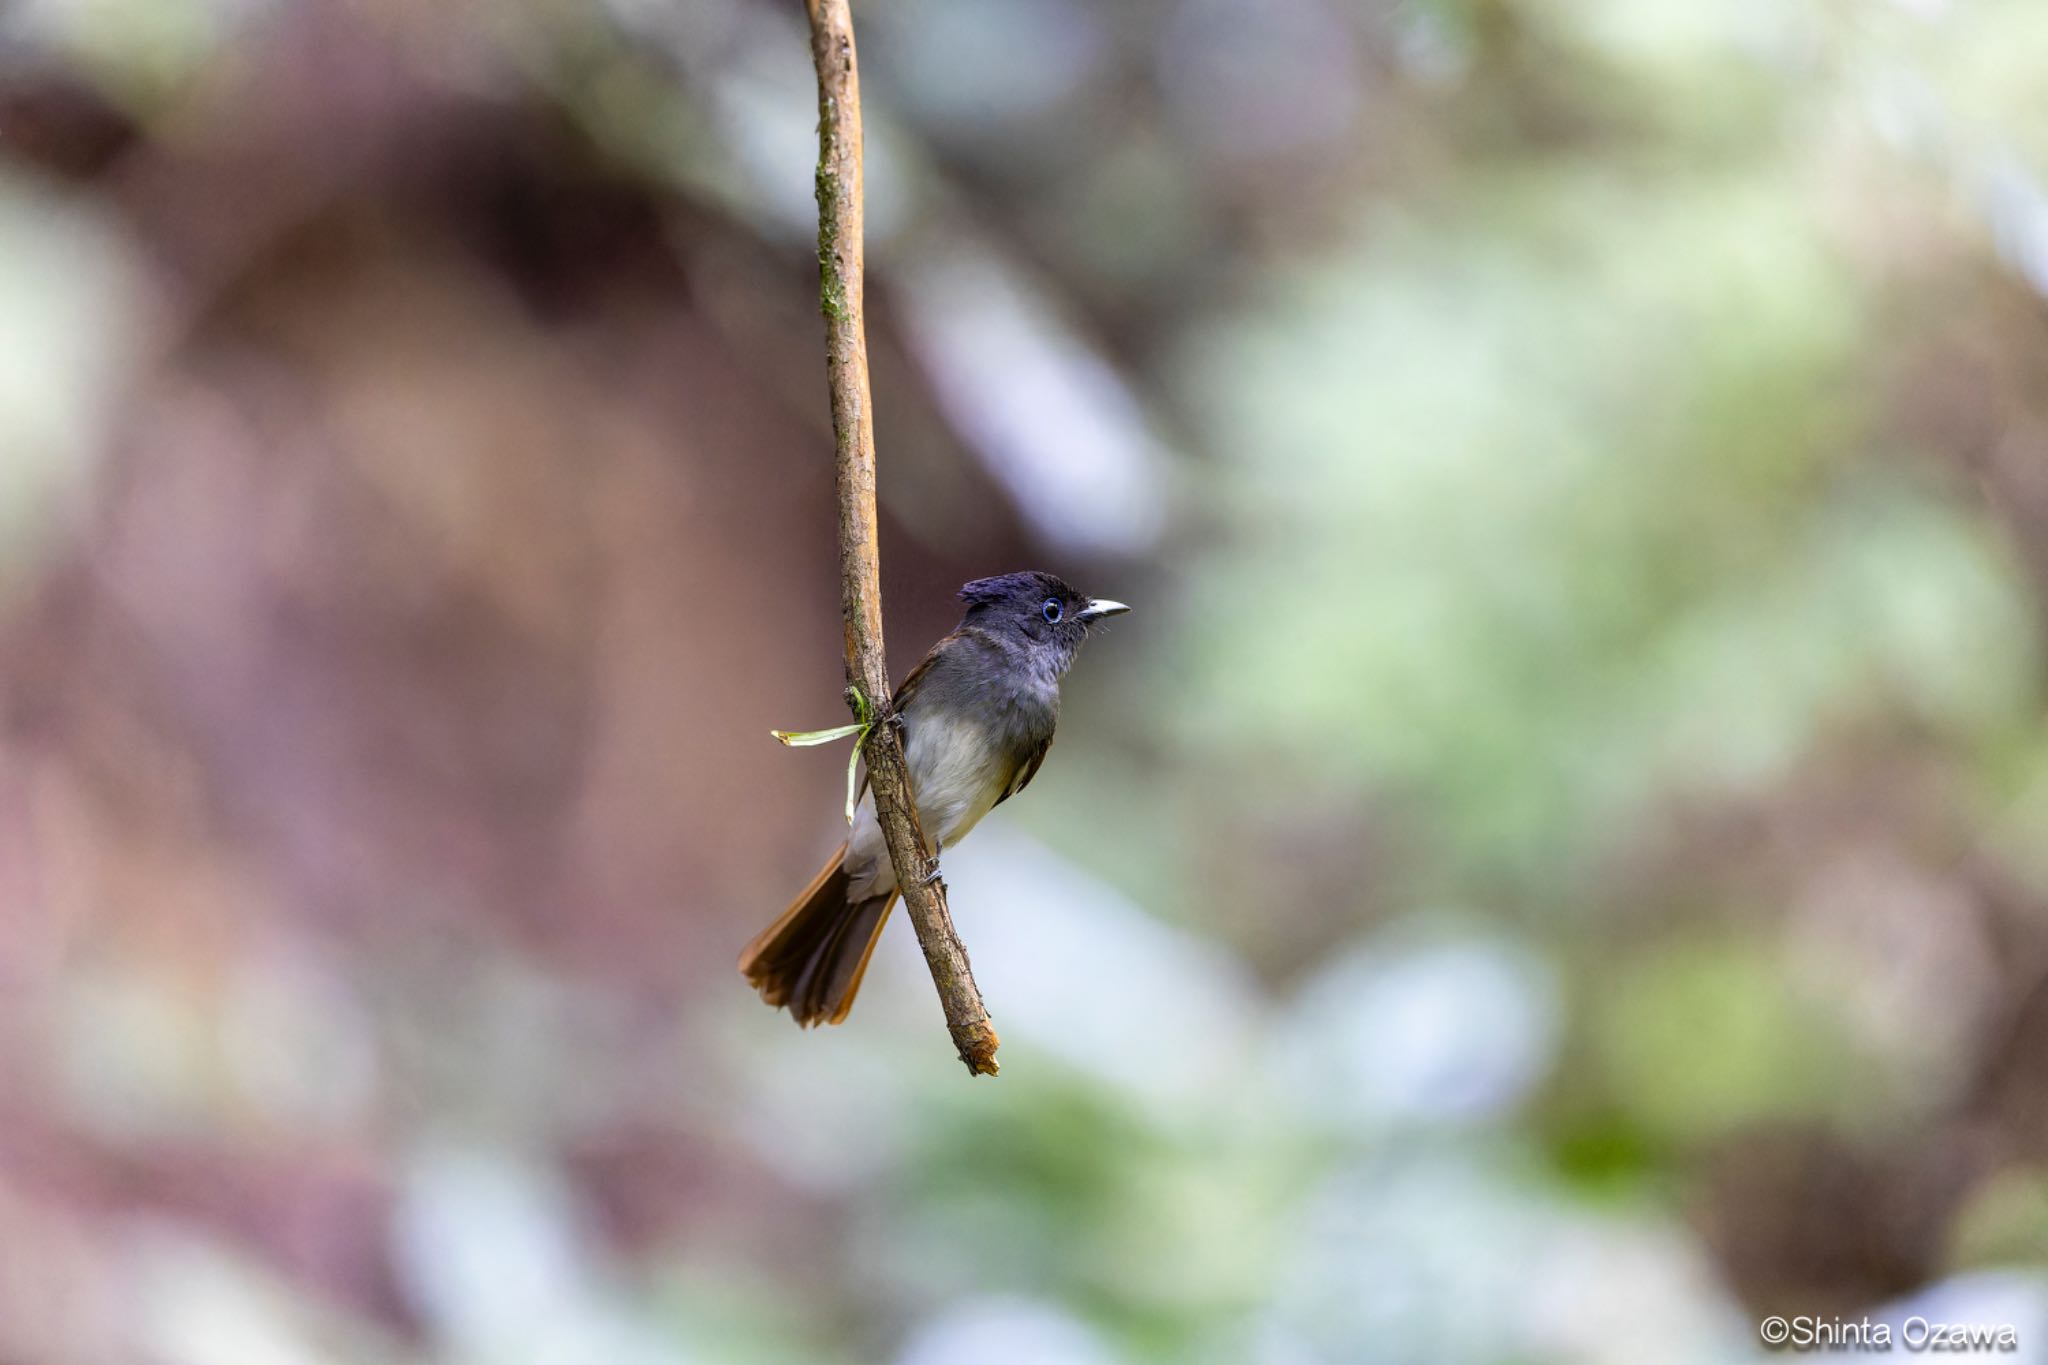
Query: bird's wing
{"points": [[906, 695], [1026, 770]]}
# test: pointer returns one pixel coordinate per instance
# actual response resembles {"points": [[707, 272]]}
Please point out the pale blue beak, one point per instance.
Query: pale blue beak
{"points": [[1099, 607]]}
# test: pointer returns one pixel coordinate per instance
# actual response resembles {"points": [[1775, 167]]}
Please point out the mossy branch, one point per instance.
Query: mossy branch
{"points": [[841, 266]]}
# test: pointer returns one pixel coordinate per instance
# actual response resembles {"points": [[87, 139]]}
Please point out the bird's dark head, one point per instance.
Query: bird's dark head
{"points": [[1036, 607]]}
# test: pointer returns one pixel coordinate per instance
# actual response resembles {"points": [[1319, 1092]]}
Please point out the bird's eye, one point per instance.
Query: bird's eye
{"points": [[1053, 610]]}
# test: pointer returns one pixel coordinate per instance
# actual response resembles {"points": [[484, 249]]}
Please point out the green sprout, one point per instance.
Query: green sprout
{"points": [[804, 739]]}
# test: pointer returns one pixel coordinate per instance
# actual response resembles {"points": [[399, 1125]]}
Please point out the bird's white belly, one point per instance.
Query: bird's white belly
{"points": [[957, 776]]}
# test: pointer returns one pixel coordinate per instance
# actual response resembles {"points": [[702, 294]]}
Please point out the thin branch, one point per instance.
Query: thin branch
{"points": [[841, 265]]}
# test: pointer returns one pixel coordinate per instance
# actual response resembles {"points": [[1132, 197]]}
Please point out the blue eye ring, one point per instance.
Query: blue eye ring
{"points": [[1053, 610]]}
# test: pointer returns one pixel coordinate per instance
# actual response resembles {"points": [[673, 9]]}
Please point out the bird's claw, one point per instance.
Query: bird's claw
{"points": [[930, 873]]}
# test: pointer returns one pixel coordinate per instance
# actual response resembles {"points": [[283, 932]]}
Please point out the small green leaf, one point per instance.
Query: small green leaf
{"points": [[804, 739], [852, 762]]}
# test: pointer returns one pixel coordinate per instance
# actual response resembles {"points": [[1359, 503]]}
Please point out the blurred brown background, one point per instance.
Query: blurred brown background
{"points": [[1553, 869]]}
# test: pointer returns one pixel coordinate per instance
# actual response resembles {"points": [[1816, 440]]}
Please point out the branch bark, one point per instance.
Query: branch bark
{"points": [[841, 266]]}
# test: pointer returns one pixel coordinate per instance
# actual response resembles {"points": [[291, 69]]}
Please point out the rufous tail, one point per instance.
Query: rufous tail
{"points": [[813, 957]]}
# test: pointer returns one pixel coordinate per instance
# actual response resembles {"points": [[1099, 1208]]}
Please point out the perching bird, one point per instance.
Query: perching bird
{"points": [[978, 714]]}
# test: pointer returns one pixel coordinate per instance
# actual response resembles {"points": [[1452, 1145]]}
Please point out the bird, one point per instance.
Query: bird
{"points": [[977, 714]]}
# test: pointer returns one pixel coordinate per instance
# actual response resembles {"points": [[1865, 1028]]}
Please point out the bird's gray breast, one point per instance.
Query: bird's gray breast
{"points": [[969, 736], [968, 740]]}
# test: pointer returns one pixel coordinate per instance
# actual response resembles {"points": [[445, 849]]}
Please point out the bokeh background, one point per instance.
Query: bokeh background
{"points": [[1555, 868]]}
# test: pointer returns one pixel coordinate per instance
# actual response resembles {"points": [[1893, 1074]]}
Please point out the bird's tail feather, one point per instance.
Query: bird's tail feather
{"points": [[813, 957]]}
